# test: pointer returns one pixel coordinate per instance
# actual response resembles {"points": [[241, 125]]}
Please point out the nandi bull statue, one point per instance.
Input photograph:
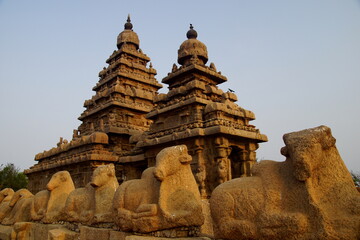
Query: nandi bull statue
{"points": [[165, 197], [309, 196]]}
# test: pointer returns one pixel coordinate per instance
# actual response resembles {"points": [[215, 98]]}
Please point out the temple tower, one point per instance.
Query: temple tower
{"points": [[195, 112], [124, 95]]}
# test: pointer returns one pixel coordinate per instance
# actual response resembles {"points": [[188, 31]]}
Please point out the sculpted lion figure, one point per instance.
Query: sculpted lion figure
{"points": [[310, 195], [165, 197]]}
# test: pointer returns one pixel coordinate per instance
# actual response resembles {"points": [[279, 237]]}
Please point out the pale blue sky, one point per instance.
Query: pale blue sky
{"points": [[295, 64]]}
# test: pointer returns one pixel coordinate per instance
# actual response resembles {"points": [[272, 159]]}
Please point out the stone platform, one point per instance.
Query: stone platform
{"points": [[39, 231]]}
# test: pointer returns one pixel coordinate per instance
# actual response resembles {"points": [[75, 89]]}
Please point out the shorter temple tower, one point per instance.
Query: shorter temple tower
{"points": [[195, 112], [124, 95]]}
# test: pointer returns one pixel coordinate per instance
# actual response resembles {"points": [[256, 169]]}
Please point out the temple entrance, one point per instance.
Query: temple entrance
{"points": [[238, 166]]}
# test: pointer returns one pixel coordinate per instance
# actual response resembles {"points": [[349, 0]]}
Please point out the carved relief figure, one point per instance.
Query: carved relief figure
{"points": [[223, 169]]}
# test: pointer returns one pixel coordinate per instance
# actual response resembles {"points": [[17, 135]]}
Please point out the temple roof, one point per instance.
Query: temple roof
{"points": [[192, 48], [128, 35]]}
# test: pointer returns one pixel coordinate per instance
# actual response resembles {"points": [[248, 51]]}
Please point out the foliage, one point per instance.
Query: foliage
{"points": [[356, 178], [11, 177]]}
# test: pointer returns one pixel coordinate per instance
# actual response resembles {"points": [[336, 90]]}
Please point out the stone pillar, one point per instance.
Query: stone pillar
{"points": [[200, 174], [223, 165], [248, 158]]}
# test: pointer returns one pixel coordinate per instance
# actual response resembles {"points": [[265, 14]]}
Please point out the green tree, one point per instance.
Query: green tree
{"points": [[11, 177], [356, 178]]}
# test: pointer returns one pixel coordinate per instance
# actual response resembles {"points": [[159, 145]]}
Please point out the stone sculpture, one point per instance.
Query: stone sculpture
{"points": [[309, 196], [60, 186], [165, 197], [105, 184], [20, 204], [93, 204], [79, 206], [5, 196], [39, 205]]}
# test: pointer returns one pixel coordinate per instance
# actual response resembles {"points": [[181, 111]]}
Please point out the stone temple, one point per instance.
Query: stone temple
{"points": [[127, 122]]}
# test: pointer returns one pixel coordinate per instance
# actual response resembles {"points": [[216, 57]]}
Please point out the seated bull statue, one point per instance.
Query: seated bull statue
{"points": [[80, 205], [59, 187], [5, 196], [21, 205], [39, 205], [93, 204], [310, 195], [165, 197]]}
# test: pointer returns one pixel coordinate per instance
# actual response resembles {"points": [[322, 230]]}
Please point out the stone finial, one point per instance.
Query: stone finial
{"points": [[128, 25], [191, 34], [128, 36]]}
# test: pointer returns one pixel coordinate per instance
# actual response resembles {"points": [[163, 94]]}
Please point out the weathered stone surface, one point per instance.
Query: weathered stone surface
{"points": [[90, 233], [118, 235], [62, 234], [134, 237], [41, 231], [93, 204], [21, 205], [80, 205], [5, 232], [5, 196], [60, 186], [309, 196], [207, 228], [165, 197], [39, 205], [21, 231], [105, 183]]}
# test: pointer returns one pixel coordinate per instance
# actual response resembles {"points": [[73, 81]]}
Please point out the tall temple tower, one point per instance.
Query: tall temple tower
{"points": [[195, 112], [124, 95]]}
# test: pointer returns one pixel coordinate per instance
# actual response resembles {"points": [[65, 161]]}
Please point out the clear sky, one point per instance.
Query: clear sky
{"points": [[295, 64]]}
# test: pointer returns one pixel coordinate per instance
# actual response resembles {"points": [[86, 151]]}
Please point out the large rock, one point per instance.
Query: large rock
{"points": [[309, 196]]}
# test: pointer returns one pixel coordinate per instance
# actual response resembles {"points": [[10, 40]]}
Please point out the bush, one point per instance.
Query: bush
{"points": [[10, 177], [356, 178]]}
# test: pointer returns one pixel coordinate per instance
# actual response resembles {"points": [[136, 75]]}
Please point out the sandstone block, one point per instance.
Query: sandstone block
{"points": [[90, 233]]}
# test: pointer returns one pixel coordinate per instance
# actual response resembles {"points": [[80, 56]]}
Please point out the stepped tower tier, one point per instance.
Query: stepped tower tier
{"points": [[195, 112], [123, 96]]}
